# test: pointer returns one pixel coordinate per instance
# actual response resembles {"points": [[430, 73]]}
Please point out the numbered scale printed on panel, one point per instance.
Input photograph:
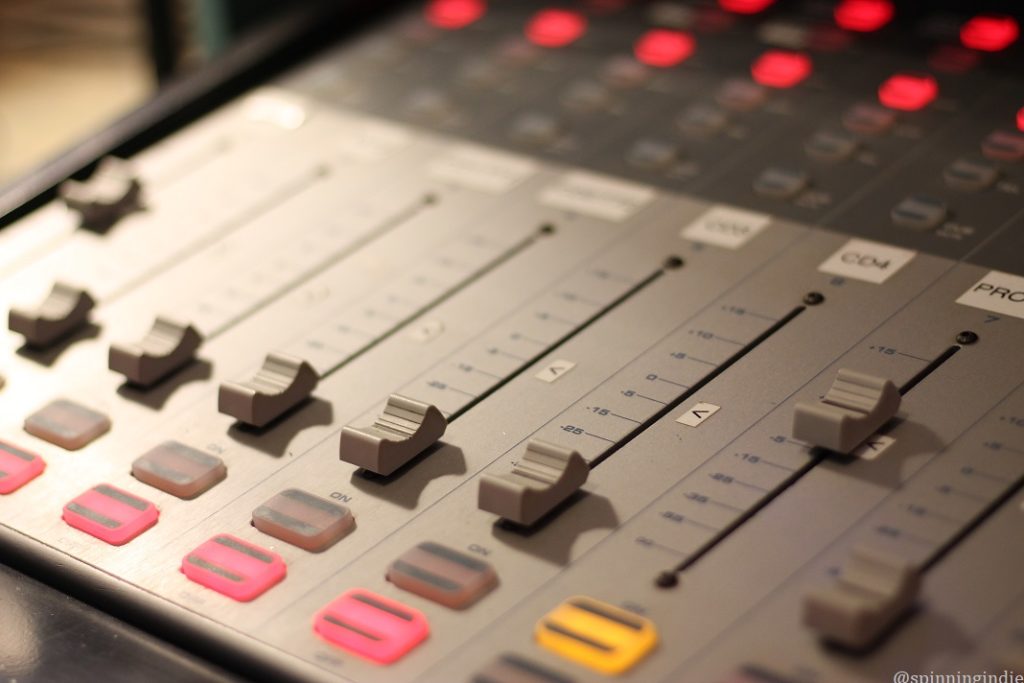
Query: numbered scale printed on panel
{"points": [[515, 343]]}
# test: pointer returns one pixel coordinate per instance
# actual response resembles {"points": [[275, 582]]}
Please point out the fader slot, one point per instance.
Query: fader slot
{"points": [[520, 342], [789, 477], [294, 276], [354, 332], [188, 214], [635, 398]]}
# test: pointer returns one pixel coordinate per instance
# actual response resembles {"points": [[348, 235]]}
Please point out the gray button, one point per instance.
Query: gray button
{"points": [[536, 129], [868, 119], [741, 95], [179, 470], [404, 430], [281, 384], [67, 424], [1003, 146], [586, 96], [111, 192], [64, 310], [919, 212], [970, 176], [625, 72], [830, 147], [442, 574], [873, 591], [304, 520], [167, 346], [545, 476], [855, 407], [702, 120], [781, 183], [652, 155]]}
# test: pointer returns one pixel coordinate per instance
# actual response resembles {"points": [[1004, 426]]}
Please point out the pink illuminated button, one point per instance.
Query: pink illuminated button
{"points": [[745, 6], [908, 91], [1020, 119], [664, 48], [863, 16], [242, 571], [989, 32], [781, 68], [110, 514], [455, 14], [371, 626], [555, 28], [17, 467]]}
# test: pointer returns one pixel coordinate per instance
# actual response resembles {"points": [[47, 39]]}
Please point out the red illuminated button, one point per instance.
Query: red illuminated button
{"points": [[908, 91], [745, 6], [989, 32], [781, 69], [371, 626], [17, 467], [864, 16], [242, 571], [555, 27], [1020, 119], [455, 14], [664, 48], [110, 514]]}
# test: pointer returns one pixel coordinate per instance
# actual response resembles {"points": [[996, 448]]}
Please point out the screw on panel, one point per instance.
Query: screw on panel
{"points": [[547, 229], [673, 262], [966, 337], [667, 580], [813, 298]]}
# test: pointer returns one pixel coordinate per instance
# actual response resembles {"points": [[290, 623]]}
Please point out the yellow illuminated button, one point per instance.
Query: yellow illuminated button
{"points": [[597, 635]]}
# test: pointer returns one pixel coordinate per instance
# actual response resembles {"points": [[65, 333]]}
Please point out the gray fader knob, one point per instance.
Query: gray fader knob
{"points": [[166, 347], [544, 477], [872, 592], [109, 194], [403, 431], [281, 384], [64, 310], [855, 407]]}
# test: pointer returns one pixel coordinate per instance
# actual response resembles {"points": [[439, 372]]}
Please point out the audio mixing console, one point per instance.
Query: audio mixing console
{"points": [[517, 343]]}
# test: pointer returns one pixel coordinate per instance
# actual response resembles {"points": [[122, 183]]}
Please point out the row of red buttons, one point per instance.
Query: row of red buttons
{"points": [[554, 28]]}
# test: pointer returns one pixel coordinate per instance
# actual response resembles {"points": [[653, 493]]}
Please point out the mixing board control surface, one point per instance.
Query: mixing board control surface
{"points": [[510, 343]]}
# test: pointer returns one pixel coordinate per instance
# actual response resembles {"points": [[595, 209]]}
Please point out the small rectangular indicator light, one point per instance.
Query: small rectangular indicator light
{"points": [[602, 637], [232, 567], [17, 467], [67, 424], [304, 520], [371, 626], [178, 469], [110, 514], [446, 576]]}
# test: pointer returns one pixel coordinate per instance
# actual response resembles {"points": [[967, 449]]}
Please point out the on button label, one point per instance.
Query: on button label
{"points": [[867, 261]]}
